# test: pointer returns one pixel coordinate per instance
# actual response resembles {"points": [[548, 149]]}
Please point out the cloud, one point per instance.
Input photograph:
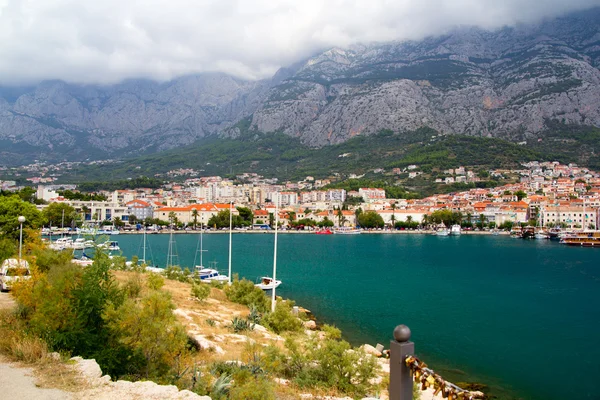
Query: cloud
{"points": [[92, 41]]}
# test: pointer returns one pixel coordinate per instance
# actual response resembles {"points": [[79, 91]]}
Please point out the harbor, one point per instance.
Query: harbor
{"points": [[473, 302]]}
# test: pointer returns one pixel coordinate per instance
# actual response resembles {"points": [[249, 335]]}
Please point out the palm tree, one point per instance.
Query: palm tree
{"points": [[195, 215], [340, 216]]}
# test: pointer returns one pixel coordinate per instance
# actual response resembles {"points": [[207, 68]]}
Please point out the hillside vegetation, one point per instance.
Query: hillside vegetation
{"points": [[284, 157]]}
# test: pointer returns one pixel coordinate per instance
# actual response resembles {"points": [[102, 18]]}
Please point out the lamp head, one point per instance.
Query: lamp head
{"points": [[21, 219]]}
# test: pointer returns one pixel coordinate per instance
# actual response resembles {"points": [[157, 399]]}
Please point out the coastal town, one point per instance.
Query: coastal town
{"points": [[548, 193]]}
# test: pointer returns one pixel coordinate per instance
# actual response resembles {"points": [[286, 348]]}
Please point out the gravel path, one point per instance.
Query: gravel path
{"points": [[18, 384]]}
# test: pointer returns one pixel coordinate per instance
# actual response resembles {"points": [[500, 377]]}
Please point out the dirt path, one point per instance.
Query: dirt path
{"points": [[6, 300], [18, 383]]}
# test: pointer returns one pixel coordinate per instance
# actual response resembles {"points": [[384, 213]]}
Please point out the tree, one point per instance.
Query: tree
{"points": [[520, 194], [55, 211], [246, 214], [221, 220], [173, 218], [271, 220], [118, 222], [10, 209], [370, 219], [195, 215], [132, 219], [150, 327], [326, 223]]}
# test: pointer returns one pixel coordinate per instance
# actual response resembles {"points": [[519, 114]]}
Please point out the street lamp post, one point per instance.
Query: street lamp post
{"points": [[21, 219]]}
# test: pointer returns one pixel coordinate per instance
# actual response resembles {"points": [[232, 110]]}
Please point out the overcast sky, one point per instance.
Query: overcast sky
{"points": [[105, 41]]}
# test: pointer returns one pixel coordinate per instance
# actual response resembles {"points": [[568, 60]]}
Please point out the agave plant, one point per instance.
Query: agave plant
{"points": [[241, 325]]}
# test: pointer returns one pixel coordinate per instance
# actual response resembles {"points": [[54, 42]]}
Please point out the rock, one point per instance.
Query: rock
{"points": [[54, 356], [206, 344], [260, 328], [282, 381], [88, 368], [310, 325], [371, 350]]}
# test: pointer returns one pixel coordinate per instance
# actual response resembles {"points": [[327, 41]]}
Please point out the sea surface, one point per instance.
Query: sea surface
{"points": [[520, 316]]}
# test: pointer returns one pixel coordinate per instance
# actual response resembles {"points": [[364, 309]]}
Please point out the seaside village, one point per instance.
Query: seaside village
{"points": [[551, 193]]}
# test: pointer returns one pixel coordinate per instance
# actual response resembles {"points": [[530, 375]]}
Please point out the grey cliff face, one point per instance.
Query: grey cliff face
{"points": [[506, 83]]}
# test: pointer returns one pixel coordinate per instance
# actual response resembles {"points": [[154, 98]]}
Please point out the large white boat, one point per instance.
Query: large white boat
{"points": [[442, 232], [455, 230], [62, 244], [110, 246], [211, 275], [267, 283], [347, 231]]}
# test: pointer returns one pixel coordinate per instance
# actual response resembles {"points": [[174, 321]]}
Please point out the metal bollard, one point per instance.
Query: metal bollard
{"points": [[401, 383]]}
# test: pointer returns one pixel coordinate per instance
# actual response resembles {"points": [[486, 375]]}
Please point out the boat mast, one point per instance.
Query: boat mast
{"points": [[275, 252], [144, 249], [230, 220]]}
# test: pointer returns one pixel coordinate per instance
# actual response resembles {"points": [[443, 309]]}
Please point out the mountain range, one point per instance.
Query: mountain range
{"points": [[514, 83]]}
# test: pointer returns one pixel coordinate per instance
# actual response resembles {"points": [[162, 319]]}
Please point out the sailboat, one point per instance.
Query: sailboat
{"points": [[267, 282], [172, 251], [206, 274]]}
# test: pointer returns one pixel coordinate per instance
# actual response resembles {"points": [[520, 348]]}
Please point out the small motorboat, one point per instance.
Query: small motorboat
{"points": [[267, 283]]}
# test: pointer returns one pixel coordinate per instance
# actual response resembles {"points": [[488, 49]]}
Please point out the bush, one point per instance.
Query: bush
{"points": [[244, 292], [200, 291], [254, 388], [155, 281], [175, 273], [282, 319]]}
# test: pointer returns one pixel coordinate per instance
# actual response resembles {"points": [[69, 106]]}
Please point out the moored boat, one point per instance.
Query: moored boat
{"points": [[267, 283], [582, 239], [347, 231], [325, 231], [210, 275], [455, 230]]}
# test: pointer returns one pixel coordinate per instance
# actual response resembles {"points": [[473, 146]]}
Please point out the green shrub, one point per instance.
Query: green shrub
{"points": [[175, 273], [244, 292], [282, 319], [253, 388], [7, 249], [155, 281], [133, 286], [200, 291]]}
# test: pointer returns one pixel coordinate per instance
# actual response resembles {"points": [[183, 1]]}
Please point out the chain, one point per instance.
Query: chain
{"points": [[429, 379]]}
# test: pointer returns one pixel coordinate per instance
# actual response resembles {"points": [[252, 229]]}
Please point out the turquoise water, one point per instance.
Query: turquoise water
{"points": [[520, 316]]}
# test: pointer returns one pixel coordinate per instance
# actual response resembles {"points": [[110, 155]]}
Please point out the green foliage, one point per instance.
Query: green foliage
{"points": [[323, 363], [245, 214], [175, 273], [46, 259], [520, 194], [200, 291], [446, 217], [155, 281], [221, 220], [150, 328], [134, 183], [7, 248], [282, 319], [54, 214], [253, 388], [241, 325], [11, 207], [70, 195], [370, 219], [244, 292]]}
